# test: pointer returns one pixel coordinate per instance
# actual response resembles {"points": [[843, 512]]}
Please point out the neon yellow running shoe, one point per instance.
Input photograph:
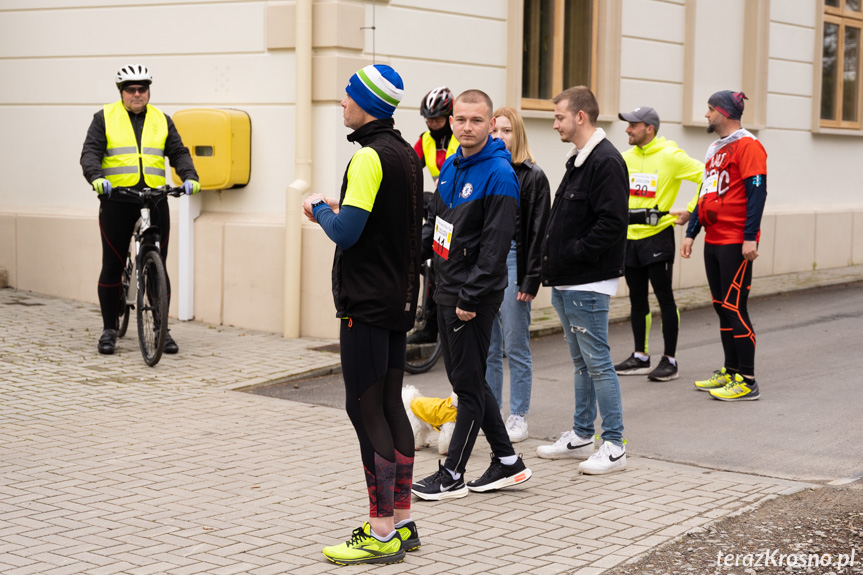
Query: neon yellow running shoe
{"points": [[737, 390], [720, 378], [363, 548]]}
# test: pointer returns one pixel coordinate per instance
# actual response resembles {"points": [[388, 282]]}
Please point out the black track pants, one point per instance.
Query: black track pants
{"points": [[465, 351]]}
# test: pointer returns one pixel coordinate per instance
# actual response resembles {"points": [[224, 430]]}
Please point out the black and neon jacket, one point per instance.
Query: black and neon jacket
{"points": [[376, 280], [478, 195]]}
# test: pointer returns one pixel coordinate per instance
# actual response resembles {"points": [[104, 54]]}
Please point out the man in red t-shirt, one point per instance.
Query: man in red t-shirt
{"points": [[730, 205]]}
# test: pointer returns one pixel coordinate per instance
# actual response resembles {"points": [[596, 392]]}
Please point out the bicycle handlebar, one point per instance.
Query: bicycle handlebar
{"points": [[146, 194]]}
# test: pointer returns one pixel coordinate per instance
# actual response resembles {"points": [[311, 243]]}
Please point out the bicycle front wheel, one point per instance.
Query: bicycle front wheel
{"points": [[420, 358], [152, 307], [423, 354], [124, 309]]}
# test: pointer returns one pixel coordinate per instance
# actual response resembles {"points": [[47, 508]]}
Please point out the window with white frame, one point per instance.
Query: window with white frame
{"points": [[841, 64]]}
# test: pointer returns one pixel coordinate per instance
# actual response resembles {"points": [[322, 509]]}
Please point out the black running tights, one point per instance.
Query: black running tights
{"points": [[730, 277], [659, 275], [373, 361]]}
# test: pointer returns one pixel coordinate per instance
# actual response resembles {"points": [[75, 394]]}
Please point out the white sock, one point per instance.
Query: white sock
{"points": [[671, 360], [509, 459], [384, 539], [454, 474], [641, 356], [403, 522]]}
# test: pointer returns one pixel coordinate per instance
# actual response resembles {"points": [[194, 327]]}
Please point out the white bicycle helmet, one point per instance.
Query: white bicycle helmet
{"points": [[436, 103], [133, 73]]}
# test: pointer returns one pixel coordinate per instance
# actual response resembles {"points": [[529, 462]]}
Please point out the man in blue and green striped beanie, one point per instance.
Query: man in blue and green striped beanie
{"points": [[376, 224]]}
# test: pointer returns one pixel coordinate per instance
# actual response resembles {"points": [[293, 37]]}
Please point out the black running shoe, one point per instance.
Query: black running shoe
{"points": [[633, 366], [410, 536], [665, 371], [440, 485], [108, 341], [498, 475]]}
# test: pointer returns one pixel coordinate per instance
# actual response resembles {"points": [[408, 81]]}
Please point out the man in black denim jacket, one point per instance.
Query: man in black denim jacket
{"points": [[583, 260]]}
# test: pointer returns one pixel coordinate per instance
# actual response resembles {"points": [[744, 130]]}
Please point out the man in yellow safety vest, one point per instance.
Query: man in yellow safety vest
{"points": [[126, 146]]}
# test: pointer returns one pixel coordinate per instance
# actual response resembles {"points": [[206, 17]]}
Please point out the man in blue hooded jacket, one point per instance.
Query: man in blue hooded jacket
{"points": [[470, 224]]}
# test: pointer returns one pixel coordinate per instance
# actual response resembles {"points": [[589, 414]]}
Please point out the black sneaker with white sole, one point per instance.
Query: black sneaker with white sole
{"points": [[498, 475], [665, 371], [440, 485], [633, 366]]}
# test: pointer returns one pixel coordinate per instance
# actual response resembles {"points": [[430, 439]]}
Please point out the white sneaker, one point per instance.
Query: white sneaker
{"points": [[516, 428], [608, 459], [569, 446]]}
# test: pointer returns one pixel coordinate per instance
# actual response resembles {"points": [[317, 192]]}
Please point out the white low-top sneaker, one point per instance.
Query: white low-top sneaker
{"points": [[569, 446], [608, 459], [516, 428]]}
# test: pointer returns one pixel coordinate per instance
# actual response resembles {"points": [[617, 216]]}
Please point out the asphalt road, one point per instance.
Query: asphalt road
{"points": [[807, 424]]}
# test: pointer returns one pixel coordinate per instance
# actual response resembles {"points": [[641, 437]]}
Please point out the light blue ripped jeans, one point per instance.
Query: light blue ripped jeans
{"points": [[584, 317]]}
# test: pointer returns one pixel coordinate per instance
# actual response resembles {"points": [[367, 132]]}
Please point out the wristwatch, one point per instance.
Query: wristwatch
{"points": [[320, 202]]}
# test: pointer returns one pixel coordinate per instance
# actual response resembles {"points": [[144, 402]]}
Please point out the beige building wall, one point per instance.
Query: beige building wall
{"points": [[58, 70]]}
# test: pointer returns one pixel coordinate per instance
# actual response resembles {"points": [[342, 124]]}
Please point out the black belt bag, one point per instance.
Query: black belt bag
{"points": [[647, 216]]}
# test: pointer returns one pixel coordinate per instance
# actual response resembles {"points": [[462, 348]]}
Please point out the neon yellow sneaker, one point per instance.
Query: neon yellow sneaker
{"points": [[737, 390], [364, 548], [720, 378]]}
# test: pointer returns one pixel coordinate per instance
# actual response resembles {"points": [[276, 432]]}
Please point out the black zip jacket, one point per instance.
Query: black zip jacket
{"points": [[586, 234], [376, 281], [531, 219], [478, 195], [96, 142]]}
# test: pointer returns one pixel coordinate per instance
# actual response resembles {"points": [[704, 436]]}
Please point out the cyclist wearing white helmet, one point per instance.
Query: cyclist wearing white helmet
{"points": [[126, 146], [437, 144]]}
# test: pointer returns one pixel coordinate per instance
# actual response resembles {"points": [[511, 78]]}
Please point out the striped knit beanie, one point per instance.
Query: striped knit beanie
{"points": [[376, 89]]}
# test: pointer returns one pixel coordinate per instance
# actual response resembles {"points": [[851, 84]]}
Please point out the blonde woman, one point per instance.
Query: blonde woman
{"points": [[511, 327]]}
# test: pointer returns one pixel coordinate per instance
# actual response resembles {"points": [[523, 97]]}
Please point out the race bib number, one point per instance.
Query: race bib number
{"points": [[442, 237], [643, 185], [710, 185]]}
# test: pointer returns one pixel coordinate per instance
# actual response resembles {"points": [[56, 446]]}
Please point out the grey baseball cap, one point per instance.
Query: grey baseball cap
{"points": [[644, 114]]}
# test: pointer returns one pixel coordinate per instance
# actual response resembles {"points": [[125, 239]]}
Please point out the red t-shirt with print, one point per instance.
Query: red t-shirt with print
{"points": [[722, 200]]}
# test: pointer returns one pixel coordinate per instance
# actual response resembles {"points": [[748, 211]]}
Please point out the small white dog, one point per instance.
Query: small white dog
{"points": [[424, 432]]}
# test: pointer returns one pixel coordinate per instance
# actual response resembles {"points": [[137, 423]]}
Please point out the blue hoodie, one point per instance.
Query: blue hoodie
{"points": [[478, 196]]}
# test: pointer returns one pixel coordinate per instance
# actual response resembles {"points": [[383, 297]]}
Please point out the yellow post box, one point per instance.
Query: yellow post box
{"points": [[220, 141]]}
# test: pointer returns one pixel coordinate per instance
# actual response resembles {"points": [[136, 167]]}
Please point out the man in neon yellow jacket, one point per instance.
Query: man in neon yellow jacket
{"points": [[656, 169]]}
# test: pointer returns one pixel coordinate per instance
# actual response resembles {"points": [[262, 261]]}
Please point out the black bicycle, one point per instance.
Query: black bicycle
{"points": [[421, 357], [151, 277]]}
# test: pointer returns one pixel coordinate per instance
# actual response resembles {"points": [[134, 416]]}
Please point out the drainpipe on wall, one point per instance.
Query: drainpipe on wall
{"points": [[300, 187]]}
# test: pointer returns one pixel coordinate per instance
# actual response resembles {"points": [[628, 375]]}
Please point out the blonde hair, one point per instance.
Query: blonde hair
{"points": [[520, 150]]}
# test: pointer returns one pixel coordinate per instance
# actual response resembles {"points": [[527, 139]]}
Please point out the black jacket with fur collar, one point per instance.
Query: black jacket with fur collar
{"points": [[586, 234]]}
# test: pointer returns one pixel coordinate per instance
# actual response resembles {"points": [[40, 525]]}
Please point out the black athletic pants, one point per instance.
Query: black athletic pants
{"points": [[116, 225], [730, 277], [465, 351], [373, 363], [659, 275]]}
